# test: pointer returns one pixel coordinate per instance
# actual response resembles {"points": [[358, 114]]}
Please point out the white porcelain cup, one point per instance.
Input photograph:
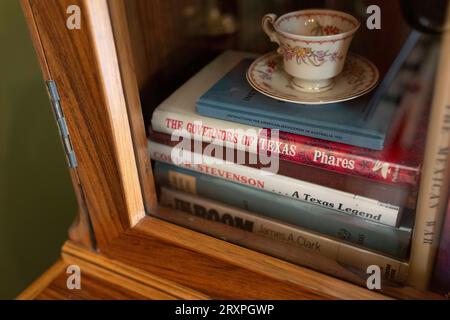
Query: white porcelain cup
{"points": [[314, 45]]}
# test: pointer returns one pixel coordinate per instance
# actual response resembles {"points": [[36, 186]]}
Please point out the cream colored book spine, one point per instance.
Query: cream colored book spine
{"points": [[435, 180], [283, 240]]}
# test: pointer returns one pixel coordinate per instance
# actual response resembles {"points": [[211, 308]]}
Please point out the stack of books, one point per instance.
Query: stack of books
{"points": [[332, 187]]}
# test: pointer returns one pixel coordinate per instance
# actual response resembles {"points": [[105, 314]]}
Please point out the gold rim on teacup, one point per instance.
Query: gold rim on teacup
{"points": [[314, 44]]}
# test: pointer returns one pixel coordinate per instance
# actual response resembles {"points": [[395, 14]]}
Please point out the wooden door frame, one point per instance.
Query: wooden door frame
{"points": [[84, 65]]}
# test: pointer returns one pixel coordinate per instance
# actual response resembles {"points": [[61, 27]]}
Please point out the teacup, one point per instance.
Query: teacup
{"points": [[314, 45]]}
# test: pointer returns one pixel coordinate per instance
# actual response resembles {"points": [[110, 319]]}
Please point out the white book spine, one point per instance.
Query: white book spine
{"points": [[190, 127], [340, 201], [350, 257]]}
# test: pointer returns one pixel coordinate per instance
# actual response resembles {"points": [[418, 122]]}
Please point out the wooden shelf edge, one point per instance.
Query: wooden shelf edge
{"points": [[44, 280], [155, 261], [74, 254], [204, 264], [315, 282], [101, 278]]}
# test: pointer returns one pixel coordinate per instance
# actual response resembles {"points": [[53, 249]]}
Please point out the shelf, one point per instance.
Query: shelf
{"points": [[200, 267]]}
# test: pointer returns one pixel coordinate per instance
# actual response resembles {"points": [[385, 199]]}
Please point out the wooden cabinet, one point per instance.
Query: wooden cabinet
{"points": [[110, 73]]}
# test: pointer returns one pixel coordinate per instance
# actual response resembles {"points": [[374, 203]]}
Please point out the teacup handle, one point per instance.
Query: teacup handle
{"points": [[268, 26]]}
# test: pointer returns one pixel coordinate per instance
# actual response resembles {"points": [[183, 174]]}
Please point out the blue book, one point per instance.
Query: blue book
{"points": [[371, 235], [362, 122]]}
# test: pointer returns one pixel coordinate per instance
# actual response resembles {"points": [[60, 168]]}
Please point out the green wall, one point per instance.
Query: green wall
{"points": [[37, 203]]}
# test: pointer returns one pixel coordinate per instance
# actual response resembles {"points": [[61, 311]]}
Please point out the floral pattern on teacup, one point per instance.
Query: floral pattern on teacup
{"points": [[309, 56], [328, 30]]}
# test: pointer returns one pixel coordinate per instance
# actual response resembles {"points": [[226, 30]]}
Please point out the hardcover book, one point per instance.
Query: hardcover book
{"points": [[434, 183], [399, 163], [362, 122], [280, 239], [401, 196], [368, 234], [302, 191]]}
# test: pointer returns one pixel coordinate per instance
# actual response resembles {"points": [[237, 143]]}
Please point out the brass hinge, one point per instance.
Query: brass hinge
{"points": [[61, 121]]}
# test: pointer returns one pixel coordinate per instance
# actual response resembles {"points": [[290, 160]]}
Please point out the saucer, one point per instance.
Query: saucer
{"points": [[266, 75]]}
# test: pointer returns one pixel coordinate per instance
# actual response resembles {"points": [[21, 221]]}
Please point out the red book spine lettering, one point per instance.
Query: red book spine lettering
{"points": [[338, 158]]}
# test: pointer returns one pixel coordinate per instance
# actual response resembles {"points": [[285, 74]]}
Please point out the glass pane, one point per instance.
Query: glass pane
{"points": [[359, 137]]}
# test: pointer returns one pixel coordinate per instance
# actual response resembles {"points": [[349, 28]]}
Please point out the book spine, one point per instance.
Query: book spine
{"points": [[434, 182], [244, 138], [350, 204], [214, 110], [392, 241], [307, 152], [289, 147], [351, 259]]}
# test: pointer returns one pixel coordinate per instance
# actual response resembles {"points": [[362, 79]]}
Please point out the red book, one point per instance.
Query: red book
{"points": [[396, 164], [402, 196]]}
